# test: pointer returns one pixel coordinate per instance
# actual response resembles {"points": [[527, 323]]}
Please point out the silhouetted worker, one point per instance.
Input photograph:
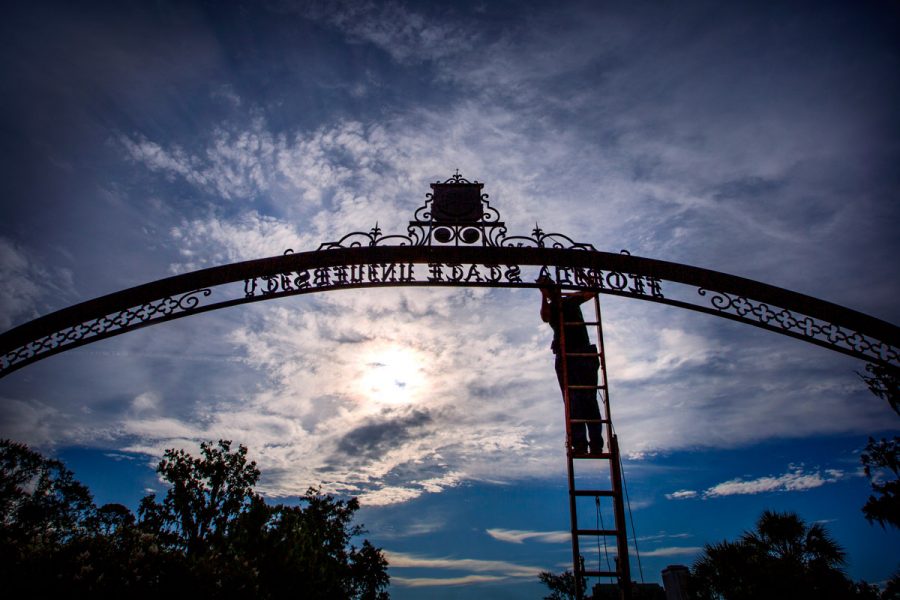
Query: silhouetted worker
{"points": [[582, 370]]}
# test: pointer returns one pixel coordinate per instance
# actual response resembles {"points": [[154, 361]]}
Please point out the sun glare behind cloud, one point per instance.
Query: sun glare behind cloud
{"points": [[391, 375]]}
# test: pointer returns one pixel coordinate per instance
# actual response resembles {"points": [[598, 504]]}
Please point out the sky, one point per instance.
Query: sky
{"points": [[146, 139]]}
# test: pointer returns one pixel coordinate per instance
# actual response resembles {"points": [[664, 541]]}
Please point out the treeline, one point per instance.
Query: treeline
{"points": [[782, 558], [210, 536]]}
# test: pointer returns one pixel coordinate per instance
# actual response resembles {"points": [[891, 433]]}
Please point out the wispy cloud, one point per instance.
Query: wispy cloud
{"points": [[796, 479], [236, 165], [663, 536], [672, 551], [664, 179], [442, 581], [682, 495], [28, 287], [502, 568], [406, 34], [516, 536]]}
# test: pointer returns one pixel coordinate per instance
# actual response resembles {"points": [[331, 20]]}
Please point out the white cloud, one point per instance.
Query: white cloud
{"points": [[672, 551], [631, 178], [493, 402], [401, 560], [407, 35], [146, 402], [214, 241], [442, 581], [27, 287], [681, 495], [795, 479], [235, 165], [516, 536], [663, 535]]}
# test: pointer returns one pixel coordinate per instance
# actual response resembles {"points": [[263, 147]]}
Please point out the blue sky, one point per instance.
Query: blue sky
{"points": [[146, 139]]}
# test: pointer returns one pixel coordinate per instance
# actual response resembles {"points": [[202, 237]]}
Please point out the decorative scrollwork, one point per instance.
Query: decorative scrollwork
{"points": [[123, 319], [484, 228], [373, 237], [540, 239], [816, 330]]}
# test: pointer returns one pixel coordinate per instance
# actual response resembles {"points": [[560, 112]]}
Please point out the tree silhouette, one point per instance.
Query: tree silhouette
{"points": [[884, 382], [562, 586], [782, 557], [881, 458], [206, 495], [212, 536]]}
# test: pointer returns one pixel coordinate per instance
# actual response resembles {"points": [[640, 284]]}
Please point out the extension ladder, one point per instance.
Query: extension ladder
{"points": [[610, 455]]}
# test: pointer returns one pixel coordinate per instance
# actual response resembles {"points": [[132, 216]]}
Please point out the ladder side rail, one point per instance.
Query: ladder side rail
{"points": [[603, 382], [623, 566], [577, 566], [623, 569]]}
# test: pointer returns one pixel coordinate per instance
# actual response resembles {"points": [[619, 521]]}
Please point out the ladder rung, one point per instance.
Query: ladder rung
{"points": [[608, 493], [599, 455], [589, 421], [599, 574], [604, 532], [582, 354], [587, 387]]}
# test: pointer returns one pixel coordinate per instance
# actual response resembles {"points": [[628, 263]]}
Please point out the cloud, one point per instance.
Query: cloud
{"points": [[796, 479], [564, 131], [672, 551], [213, 241], [119, 457], [399, 560], [485, 374], [672, 375], [663, 536], [516, 536], [371, 440], [27, 287], [236, 164], [146, 402], [681, 495], [442, 581], [407, 35]]}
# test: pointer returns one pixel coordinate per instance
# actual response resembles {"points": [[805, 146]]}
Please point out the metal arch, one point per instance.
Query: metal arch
{"points": [[577, 266], [462, 241]]}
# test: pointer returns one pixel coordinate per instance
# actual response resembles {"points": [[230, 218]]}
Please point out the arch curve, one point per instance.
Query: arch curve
{"points": [[572, 266]]}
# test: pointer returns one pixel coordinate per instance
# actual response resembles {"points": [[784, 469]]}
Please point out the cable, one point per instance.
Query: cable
{"points": [[603, 537], [637, 552]]}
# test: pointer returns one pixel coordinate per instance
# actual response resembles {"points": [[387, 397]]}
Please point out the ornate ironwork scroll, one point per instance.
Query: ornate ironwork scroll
{"points": [[104, 326], [455, 239], [456, 213], [799, 325]]}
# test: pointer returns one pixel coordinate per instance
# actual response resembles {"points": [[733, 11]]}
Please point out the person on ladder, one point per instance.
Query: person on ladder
{"points": [[582, 370]]}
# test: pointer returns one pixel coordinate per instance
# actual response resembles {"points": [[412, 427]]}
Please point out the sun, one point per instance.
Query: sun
{"points": [[392, 375]]}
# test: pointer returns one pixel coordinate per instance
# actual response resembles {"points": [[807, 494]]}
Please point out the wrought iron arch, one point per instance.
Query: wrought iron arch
{"points": [[458, 240]]}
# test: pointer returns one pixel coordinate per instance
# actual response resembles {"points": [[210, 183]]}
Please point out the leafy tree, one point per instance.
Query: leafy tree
{"points": [[881, 458], [40, 500], [884, 382], [881, 463], [206, 496], [42, 508], [892, 589], [562, 586], [782, 557], [211, 536], [311, 544], [236, 545]]}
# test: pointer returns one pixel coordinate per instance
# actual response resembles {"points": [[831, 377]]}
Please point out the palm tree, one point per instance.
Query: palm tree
{"points": [[782, 557]]}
